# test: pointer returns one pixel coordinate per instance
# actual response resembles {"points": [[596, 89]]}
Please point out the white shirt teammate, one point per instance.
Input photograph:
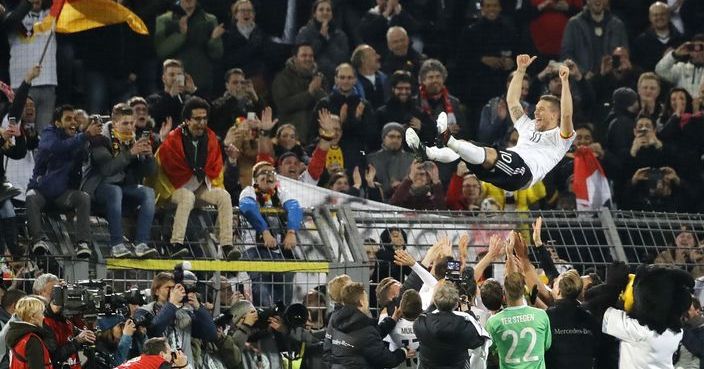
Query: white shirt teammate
{"points": [[542, 142]]}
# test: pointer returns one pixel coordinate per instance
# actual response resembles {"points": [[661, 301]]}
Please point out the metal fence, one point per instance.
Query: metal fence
{"points": [[336, 240]]}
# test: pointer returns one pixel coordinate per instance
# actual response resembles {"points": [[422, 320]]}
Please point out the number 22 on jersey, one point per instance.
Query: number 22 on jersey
{"points": [[526, 335]]}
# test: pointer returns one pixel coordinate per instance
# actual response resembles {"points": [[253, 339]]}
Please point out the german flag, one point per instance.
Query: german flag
{"points": [[79, 15]]}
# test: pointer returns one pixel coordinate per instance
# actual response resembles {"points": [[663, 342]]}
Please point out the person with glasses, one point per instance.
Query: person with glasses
{"points": [[191, 168], [262, 204], [119, 163]]}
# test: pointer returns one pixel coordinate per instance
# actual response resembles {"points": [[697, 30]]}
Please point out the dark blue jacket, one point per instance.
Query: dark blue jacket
{"points": [[58, 162]]}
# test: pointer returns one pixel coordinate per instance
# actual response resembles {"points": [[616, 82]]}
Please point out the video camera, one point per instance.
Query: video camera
{"points": [[294, 315], [92, 298], [463, 280]]}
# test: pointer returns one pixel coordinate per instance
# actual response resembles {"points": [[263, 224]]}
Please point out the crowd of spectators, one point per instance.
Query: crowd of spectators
{"points": [[323, 92], [223, 96]]}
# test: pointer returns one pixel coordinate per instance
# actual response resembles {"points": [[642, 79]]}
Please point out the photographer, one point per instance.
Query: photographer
{"points": [[62, 344], [684, 66], [113, 342], [158, 355], [445, 335], [178, 315], [298, 343]]}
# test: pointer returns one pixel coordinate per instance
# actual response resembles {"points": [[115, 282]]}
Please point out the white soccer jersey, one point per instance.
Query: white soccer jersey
{"points": [[541, 151], [403, 336]]}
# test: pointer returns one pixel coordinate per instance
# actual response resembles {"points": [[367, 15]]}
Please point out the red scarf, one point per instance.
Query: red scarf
{"points": [[447, 105], [685, 118], [173, 158]]}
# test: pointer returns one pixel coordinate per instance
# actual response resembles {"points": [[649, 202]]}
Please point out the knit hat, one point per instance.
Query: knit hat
{"points": [[623, 97], [287, 154], [239, 309], [107, 322], [391, 126]]}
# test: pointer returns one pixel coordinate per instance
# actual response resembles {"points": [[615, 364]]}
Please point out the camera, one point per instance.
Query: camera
{"points": [[92, 298], [222, 320], [190, 287], [98, 119], [294, 315], [615, 61], [463, 280]]}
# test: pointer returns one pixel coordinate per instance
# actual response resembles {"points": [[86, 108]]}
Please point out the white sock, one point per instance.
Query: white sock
{"points": [[468, 151], [444, 155]]}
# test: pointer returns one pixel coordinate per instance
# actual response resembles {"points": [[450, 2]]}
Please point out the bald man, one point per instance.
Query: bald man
{"points": [[650, 46], [399, 55]]}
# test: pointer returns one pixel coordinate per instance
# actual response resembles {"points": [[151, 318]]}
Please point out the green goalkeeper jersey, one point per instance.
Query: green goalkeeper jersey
{"points": [[521, 335]]}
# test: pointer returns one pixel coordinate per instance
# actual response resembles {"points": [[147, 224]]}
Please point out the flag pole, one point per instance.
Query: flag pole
{"points": [[46, 45]]}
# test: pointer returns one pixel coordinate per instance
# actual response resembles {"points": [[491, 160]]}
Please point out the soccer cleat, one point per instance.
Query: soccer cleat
{"points": [[443, 132], [414, 143], [142, 250], [120, 251]]}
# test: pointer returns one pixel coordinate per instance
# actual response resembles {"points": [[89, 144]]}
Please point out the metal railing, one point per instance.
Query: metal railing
{"points": [[335, 240]]}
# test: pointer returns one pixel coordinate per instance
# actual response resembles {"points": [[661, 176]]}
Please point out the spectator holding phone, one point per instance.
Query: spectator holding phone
{"points": [[166, 105], [56, 179], [238, 100], [684, 66], [119, 162]]}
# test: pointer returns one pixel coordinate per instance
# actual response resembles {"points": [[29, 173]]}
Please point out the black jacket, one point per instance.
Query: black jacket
{"points": [[648, 49], [357, 134], [162, 106], [444, 340], [572, 326], [356, 342], [33, 350]]}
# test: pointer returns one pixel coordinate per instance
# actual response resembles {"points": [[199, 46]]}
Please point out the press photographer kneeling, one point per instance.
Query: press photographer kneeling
{"points": [[158, 355]]}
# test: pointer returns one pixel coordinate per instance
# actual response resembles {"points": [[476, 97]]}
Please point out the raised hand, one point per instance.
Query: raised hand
{"points": [[356, 178], [463, 246], [496, 246], [266, 123], [370, 175], [523, 61], [520, 247], [564, 73], [537, 227], [218, 31], [403, 258]]}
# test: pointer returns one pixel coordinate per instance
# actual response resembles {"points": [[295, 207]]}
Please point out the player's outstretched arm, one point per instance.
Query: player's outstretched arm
{"points": [[566, 125], [513, 96]]}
